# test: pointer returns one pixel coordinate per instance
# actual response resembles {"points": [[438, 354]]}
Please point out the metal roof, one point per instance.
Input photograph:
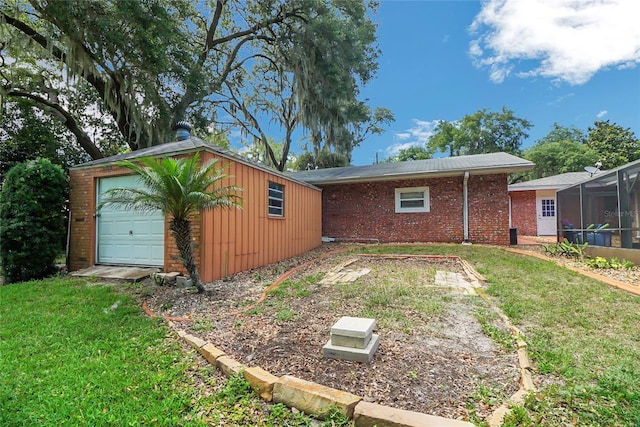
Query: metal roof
{"points": [[553, 182], [446, 166], [190, 145]]}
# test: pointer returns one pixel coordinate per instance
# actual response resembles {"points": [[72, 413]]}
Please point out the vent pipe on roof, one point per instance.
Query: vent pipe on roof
{"points": [[183, 130]]}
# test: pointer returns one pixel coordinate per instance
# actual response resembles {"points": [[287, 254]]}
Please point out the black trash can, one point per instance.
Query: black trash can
{"points": [[513, 236]]}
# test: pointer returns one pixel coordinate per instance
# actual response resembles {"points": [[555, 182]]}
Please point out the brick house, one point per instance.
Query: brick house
{"points": [[280, 218], [454, 199], [533, 203]]}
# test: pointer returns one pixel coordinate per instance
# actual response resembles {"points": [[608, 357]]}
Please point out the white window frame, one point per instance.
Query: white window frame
{"points": [[425, 197], [274, 198]]}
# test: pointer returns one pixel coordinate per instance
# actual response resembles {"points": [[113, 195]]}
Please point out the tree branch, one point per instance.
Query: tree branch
{"points": [[119, 108], [69, 121]]}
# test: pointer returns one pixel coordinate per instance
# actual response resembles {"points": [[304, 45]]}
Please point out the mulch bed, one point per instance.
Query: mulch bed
{"points": [[436, 367]]}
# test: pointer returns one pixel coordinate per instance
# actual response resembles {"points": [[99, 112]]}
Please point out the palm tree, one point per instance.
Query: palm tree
{"points": [[179, 188]]}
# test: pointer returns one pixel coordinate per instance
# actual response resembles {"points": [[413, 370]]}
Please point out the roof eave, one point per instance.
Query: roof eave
{"points": [[212, 150], [537, 187], [418, 175]]}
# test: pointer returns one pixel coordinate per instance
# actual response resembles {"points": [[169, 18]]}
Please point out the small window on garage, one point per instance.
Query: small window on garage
{"points": [[412, 199], [276, 199]]}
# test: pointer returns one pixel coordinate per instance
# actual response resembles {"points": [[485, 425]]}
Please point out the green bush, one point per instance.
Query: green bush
{"points": [[615, 263], [32, 204], [566, 249]]}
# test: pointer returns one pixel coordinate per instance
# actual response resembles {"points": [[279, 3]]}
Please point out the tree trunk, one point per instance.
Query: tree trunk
{"points": [[181, 231]]}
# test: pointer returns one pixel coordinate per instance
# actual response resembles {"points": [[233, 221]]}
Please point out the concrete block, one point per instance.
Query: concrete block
{"points": [[193, 341], [229, 366], [523, 358], [356, 327], [371, 414], [363, 355], [211, 353], [527, 380], [261, 381], [497, 417], [311, 398], [353, 342]]}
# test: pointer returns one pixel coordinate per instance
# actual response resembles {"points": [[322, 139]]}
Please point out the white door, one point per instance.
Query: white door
{"points": [[125, 237], [546, 212]]}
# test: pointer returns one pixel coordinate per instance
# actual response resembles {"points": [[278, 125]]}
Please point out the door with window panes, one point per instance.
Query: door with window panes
{"points": [[546, 213]]}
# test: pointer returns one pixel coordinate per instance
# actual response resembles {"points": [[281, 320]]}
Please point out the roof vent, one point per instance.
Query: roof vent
{"points": [[183, 130]]}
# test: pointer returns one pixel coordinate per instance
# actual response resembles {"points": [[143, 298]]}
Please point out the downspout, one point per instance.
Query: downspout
{"points": [[465, 208], [510, 220]]}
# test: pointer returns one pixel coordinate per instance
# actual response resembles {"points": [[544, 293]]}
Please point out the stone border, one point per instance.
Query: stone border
{"points": [[317, 400]]}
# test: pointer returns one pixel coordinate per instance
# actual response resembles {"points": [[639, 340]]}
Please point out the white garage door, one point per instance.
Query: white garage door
{"points": [[126, 237]]}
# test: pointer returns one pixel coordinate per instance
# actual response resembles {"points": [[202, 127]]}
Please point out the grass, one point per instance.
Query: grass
{"points": [[74, 354], [396, 291], [583, 336]]}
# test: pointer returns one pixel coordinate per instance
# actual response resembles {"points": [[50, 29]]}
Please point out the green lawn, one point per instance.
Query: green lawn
{"points": [[72, 354], [583, 336], [75, 355]]}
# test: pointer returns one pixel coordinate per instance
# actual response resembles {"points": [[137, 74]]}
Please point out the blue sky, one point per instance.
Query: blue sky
{"points": [[547, 60]]}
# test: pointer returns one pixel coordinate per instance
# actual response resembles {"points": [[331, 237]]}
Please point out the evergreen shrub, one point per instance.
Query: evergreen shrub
{"points": [[32, 225]]}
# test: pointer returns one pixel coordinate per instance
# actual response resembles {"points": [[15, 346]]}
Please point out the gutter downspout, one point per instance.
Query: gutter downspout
{"points": [[510, 220], [465, 208]]}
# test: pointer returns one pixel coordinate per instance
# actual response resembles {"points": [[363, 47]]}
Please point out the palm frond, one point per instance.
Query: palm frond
{"points": [[177, 187]]}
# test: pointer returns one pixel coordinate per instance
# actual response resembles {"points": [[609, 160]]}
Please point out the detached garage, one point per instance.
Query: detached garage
{"points": [[280, 218]]}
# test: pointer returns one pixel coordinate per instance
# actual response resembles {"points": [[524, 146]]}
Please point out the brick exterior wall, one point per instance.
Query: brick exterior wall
{"points": [[364, 211], [523, 212], [172, 260]]}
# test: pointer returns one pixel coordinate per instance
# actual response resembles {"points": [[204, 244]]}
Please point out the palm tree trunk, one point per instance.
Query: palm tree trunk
{"points": [[181, 231]]}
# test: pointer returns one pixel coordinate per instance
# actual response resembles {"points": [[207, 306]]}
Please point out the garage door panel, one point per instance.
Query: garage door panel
{"points": [[128, 237]]}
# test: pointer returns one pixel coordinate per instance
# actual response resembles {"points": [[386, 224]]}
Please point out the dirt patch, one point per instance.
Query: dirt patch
{"points": [[433, 356]]}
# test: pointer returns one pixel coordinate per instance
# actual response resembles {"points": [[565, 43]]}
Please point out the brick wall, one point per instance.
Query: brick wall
{"points": [[523, 212], [82, 226], [365, 211], [172, 260]]}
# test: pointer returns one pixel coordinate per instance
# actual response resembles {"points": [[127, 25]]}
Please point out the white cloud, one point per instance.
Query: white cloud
{"points": [[601, 114], [417, 135], [568, 40]]}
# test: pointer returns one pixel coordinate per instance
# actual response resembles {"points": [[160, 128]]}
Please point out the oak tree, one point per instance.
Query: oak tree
{"points": [[151, 64]]}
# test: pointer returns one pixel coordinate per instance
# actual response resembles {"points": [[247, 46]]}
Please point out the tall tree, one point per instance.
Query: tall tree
{"points": [[270, 93], [614, 145], [411, 153], [561, 150], [323, 160], [27, 133], [150, 64], [481, 132], [179, 188]]}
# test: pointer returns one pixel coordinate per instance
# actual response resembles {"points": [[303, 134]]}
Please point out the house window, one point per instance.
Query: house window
{"points": [[412, 199], [276, 199], [548, 208]]}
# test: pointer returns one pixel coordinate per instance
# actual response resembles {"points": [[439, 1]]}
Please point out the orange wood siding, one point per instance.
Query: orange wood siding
{"points": [[235, 240]]}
